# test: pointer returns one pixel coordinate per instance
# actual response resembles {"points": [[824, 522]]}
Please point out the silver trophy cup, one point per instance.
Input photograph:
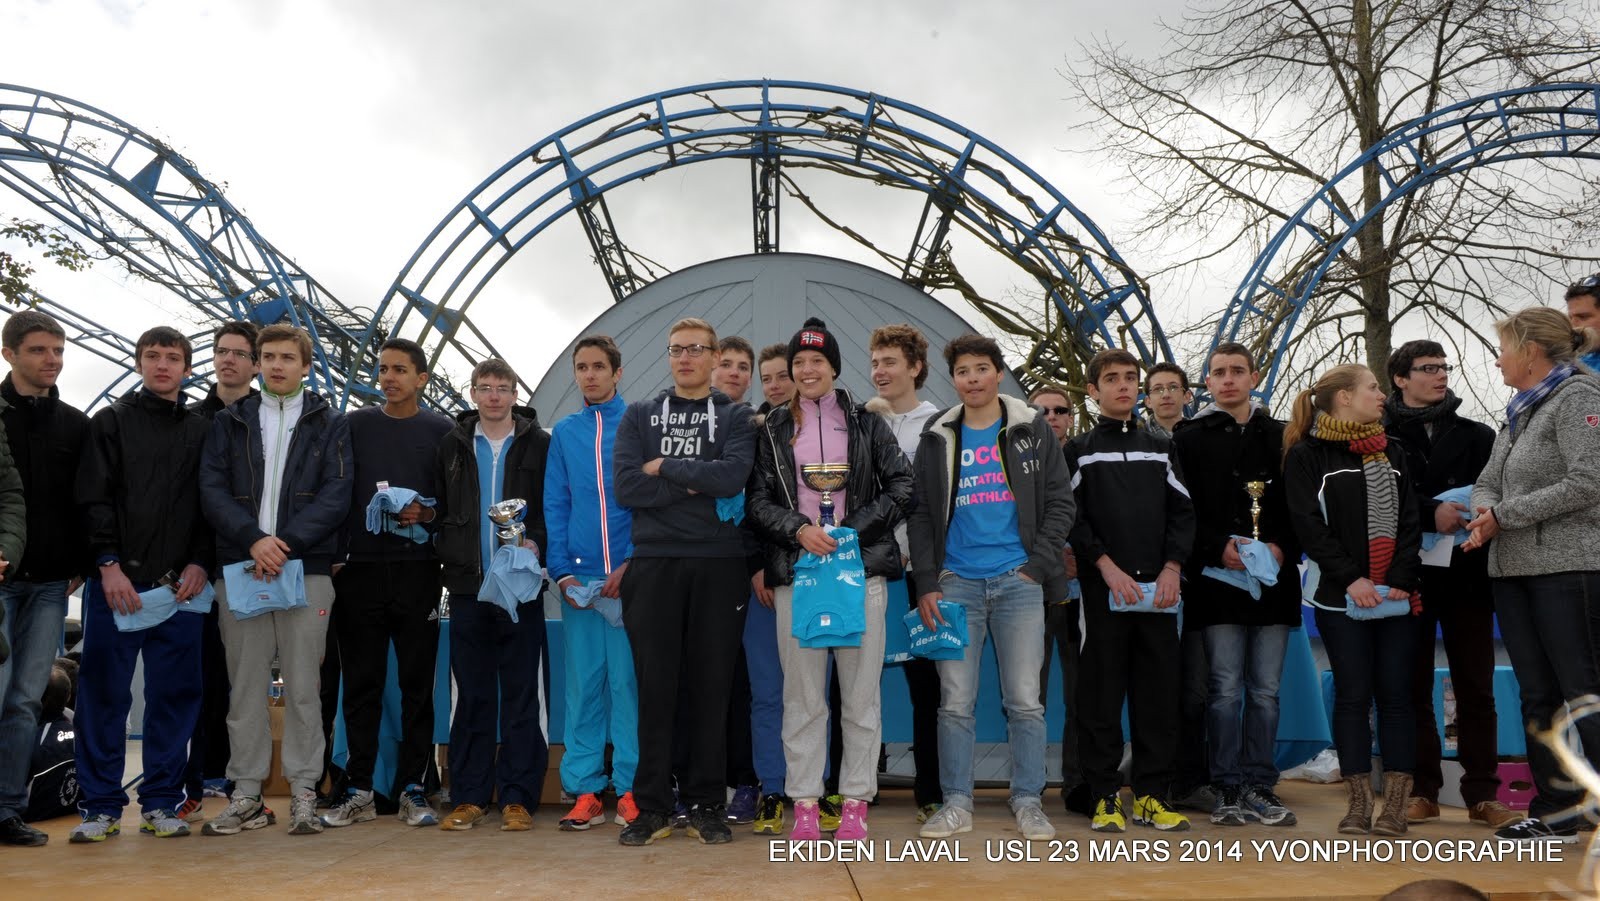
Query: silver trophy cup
{"points": [[825, 478], [508, 514]]}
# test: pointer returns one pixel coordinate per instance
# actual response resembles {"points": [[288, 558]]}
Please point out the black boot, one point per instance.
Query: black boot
{"points": [[15, 832]]}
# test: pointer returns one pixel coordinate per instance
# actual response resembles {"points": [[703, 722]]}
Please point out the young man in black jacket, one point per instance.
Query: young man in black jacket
{"points": [[46, 439], [495, 453], [389, 591], [140, 492], [1227, 446], [1447, 451], [1135, 528], [275, 485], [684, 595], [991, 515]]}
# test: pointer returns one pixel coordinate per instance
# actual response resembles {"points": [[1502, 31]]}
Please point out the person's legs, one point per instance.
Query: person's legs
{"points": [[301, 636], [415, 588], [1468, 624], [860, 670], [718, 597], [1225, 648], [362, 630], [171, 705], [1428, 777], [1064, 638], [1191, 768], [1265, 649], [583, 768], [655, 598], [33, 617], [1391, 687], [524, 678], [766, 697], [958, 693], [105, 678], [1350, 647], [330, 676], [474, 662], [805, 706], [741, 764], [624, 709], [1016, 620], [1102, 688], [1559, 606], [249, 645], [204, 754], [1153, 705]]}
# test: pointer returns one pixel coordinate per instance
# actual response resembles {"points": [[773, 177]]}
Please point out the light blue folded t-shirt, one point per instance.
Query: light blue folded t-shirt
{"points": [[157, 606], [249, 596]]}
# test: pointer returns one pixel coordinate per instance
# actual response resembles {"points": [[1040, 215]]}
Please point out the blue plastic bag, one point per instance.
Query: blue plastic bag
{"points": [[249, 596], [157, 606], [944, 642], [830, 595]]}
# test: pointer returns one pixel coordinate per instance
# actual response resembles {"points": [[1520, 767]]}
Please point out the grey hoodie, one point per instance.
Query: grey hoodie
{"points": [[1544, 485]]}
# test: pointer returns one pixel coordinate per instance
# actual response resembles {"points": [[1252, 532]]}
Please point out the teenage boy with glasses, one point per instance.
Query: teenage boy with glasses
{"points": [[1583, 309], [275, 485], [1166, 394], [687, 587]]}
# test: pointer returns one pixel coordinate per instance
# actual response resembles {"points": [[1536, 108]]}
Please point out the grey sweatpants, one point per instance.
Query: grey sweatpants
{"points": [[297, 638], [805, 703]]}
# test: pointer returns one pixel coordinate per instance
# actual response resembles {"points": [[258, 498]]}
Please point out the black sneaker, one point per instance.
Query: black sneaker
{"points": [[648, 826], [708, 823], [1229, 809], [15, 832], [1535, 829]]}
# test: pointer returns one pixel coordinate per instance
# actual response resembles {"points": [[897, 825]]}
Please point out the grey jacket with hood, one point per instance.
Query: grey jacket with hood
{"points": [[1543, 481]]}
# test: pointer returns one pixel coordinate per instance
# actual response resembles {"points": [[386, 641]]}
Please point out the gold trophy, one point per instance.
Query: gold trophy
{"points": [[1255, 489], [826, 478]]}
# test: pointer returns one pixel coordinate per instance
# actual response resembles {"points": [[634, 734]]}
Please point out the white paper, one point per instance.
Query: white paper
{"points": [[1440, 555]]}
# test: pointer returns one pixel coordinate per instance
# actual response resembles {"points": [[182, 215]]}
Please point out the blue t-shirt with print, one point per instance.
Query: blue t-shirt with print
{"points": [[983, 541]]}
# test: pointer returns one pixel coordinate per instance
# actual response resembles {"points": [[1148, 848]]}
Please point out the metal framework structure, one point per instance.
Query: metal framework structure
{"points": [[148, 207], [1559, 120], [1092, 297]]}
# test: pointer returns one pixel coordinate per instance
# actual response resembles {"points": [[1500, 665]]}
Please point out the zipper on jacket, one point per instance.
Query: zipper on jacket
{"points": [[777, 462], [600, 487]]}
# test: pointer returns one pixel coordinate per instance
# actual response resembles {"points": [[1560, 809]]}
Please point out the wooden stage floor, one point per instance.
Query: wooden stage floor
{"points": [[387, 859]]}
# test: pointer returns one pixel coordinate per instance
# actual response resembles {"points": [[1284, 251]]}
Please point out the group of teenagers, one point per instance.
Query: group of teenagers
{"points": [[1158, 557]]}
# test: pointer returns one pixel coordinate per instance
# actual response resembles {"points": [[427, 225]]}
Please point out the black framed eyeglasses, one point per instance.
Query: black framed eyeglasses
{"points": [[1433, 368], [693, 350]]}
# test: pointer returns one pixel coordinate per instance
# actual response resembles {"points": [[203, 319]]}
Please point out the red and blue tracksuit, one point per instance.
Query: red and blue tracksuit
{"points": [[590, 535]]}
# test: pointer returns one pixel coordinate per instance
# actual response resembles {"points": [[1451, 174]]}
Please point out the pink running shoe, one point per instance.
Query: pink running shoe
{"points": [[806, 827], [852, 822]]}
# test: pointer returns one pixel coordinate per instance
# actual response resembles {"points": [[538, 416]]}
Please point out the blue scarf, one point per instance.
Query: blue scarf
{"points": [[1528, 399]]}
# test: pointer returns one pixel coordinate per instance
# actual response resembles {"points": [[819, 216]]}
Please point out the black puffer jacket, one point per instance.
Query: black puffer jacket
{"points": [[458, 533], [139, 486], [880, 475]]}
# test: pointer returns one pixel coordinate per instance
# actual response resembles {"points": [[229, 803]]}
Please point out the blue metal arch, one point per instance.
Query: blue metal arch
{"points": [[965, 177], [1559, 120], [170, 225]]}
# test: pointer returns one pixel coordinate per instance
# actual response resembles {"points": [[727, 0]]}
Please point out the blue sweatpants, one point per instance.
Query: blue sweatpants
{"points": [[172, 690], [502, 683], [602, 699], [766, 696]]}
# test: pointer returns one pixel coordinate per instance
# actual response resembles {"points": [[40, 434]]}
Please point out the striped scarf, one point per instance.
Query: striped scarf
{"points": [[1527, 399], [1383, 490]]}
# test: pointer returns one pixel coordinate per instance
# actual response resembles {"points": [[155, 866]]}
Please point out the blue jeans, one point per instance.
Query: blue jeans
{"points": [[34, 613], [1246, 666], [1011, 610], [766, 696]]}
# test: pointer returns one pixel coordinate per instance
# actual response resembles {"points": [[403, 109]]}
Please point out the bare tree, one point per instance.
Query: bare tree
{"points": [[1254, 106]]}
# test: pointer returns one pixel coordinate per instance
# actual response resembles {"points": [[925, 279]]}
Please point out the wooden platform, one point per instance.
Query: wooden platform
{"points": [[387, 859]]}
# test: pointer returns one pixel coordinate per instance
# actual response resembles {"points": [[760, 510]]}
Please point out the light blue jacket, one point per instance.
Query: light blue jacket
{"points": [[589, 533]]}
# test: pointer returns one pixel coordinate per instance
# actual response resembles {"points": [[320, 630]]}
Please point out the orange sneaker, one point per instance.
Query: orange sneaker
{"points": [[627, 809], [585, 813]]}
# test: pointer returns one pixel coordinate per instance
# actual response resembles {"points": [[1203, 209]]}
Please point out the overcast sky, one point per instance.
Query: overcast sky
{"points": [[346, 130]]}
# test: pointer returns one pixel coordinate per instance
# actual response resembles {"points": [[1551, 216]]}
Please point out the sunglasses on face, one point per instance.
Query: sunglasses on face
{"points": [[1059, 411]]}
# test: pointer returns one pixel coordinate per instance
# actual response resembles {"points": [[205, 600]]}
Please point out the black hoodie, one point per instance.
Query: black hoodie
{"points": [[709, 448], [47, 438]]}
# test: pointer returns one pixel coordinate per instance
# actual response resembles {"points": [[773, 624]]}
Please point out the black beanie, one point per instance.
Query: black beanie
{"points": [[814, 336]]}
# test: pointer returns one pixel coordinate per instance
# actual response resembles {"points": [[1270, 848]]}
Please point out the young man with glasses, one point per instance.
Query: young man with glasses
{"points": [[1445, 451], [389, 591], [275, 485], [46, 439], [1166, 394], [233, 371], [1583, 309], [591, 542], [679, 458], [1057, 409], [139, 489], [496, 452]]}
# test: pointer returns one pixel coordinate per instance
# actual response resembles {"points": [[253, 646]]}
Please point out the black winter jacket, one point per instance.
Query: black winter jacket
{"points": [[46, 437], [877, 495], [1218, 457], [458, 528], [1322, 474], [317, 481], [1452, 458], [139, 487], [1133, 505], [1034, 470]]}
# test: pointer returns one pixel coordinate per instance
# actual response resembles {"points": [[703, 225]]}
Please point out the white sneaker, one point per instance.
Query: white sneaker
{"points": [[357, 807], [950, 820], [303, 813], [415, 809], [1033, 824], [243, 812]]}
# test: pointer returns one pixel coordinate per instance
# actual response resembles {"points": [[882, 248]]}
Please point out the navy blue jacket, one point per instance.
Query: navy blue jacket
{"points": [[316, 477]]}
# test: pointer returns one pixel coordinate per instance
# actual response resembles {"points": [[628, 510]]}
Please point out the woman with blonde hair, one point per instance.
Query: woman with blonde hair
{"points": [[1353, 508], [1537, 507]]}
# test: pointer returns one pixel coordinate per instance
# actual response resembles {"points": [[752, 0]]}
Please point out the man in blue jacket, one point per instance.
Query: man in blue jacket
{"points": [[590, 542], [275, 483], [679, 460]]}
